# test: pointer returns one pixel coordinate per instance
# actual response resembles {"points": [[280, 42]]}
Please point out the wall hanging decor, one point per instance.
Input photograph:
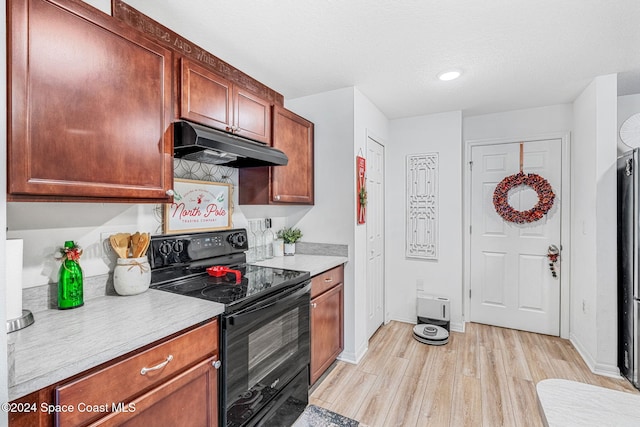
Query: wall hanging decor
{"points": [[422, 206], [532, 180], [198, 206], [361, 196]]}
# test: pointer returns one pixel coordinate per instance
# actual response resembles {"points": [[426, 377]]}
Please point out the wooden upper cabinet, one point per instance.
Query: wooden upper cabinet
{"points": [[293, 135], [211, 100], [290, 184], [205, 97], [89, 106], [252, 116]]}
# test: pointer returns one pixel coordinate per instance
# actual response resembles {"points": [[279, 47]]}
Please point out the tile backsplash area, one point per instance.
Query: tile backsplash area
{"points": [[44, 227]]}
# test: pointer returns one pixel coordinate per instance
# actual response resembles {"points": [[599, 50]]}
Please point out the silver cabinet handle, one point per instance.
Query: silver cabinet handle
{"points": [[216, 364], [170, 193], [313, 304], [328, 280], [144, 370], [276, 197]]}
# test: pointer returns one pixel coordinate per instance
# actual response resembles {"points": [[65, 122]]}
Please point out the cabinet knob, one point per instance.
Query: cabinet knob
{"points": [[276, 197], [170, 193], [216, 364], [313, 304]]}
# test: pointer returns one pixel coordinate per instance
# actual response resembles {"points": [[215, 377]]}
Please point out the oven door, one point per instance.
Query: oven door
{"points": [[264, 347]]}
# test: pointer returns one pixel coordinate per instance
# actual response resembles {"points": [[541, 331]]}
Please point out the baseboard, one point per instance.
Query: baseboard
{"points": [[356, 357], [454, 326], [597, 368]]}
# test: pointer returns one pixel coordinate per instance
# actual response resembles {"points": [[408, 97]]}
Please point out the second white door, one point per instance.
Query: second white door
{"points": [[511, 283], [375, 236]]}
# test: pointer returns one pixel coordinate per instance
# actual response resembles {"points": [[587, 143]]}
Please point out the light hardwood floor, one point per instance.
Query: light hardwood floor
{"points": [[483, 377]]}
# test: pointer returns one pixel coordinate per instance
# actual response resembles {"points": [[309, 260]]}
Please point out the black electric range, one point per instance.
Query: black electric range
{"points": [[179, 264], [265, 328]]}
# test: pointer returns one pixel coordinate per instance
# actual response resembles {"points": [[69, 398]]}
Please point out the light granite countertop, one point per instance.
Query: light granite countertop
{"points": [[314, 264], [63, 343], [565, 403]]}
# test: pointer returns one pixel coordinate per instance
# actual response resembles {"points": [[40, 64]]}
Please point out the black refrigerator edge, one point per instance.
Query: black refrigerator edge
{"points": [[628, 253]]}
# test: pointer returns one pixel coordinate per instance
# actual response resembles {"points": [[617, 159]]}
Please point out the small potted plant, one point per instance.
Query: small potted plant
{"points": [[290, 236]]}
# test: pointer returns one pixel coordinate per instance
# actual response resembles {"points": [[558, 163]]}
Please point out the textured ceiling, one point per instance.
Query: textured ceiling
{"points": [[513, 53]]}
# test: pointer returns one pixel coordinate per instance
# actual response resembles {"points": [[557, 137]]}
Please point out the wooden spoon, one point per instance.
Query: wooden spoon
{"points": [[144, 240], [120, 244], [136, 244]]}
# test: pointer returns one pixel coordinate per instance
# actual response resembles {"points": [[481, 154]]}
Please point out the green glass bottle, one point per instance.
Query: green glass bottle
{"points": [[70, 293]]}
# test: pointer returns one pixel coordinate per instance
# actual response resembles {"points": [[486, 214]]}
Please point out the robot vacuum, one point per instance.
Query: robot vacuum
{"points": [[431, 334]]}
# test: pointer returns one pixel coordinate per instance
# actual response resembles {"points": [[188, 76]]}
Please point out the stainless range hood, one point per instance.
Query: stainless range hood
{"points": [[206, 145]]}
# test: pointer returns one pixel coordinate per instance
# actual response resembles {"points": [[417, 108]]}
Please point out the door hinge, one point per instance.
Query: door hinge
{"points": [[469, 293], [469, 229], [471, 165]]}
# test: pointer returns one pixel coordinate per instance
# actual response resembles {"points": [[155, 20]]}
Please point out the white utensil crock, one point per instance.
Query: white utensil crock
{"points": [[132, 276]]}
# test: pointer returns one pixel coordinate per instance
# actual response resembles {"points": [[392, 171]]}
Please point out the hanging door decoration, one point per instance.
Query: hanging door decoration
{"points": [[361, 169], [422, 206], [540, 185]]}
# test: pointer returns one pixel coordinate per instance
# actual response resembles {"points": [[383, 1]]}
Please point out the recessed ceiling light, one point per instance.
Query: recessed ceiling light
{"points": [[449, 75]]}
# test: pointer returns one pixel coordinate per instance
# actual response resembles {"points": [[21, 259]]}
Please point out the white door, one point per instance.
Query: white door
{"points": [[375, 236], [511, 282]]}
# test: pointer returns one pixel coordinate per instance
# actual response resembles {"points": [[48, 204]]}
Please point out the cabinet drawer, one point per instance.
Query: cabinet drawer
{"points": [[188, 399], [118, 383], [327, 280]]}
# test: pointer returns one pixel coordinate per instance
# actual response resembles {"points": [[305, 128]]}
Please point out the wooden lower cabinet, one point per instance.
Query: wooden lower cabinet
{"points": [[327, 324], [173, 382], [190, 399]]}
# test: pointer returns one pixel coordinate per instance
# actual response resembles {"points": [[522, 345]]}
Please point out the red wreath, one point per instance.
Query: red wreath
{"points": [[541, 187]]}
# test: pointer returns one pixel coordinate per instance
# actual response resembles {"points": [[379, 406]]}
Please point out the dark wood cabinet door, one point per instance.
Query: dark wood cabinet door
{"points": [[290, 184], [205, 97], [327, 342], [293, 135], [189, 399], [252, 116], [89, 105]]}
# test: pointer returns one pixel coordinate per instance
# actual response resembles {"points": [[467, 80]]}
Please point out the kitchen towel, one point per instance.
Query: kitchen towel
{"points": [[13, 278]]}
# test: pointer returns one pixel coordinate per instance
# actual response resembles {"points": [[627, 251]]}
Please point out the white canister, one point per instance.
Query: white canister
{"points": [[278, 247], [131, 276]]}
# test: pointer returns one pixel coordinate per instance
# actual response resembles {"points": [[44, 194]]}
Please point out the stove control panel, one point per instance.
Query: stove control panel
{"points": [[181, 249]]}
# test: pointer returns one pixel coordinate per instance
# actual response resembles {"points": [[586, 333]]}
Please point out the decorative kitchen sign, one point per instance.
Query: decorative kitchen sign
{"points": [[422, 206], [361, 166], [198, 206]]}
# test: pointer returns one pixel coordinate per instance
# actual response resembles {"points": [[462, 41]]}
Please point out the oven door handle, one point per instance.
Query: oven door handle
{"points": [[278, 298]]}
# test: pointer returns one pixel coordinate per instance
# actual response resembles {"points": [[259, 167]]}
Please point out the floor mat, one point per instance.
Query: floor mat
{"points": [[315, 416]]}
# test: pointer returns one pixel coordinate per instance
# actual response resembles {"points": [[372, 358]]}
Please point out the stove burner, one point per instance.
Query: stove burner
{"points": [[224, 293]]}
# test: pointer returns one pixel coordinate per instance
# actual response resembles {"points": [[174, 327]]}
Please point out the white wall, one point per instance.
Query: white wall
{"points": [[441, 133], [519, 123], [343, 118], [593, 225], [368, 122], [332, 218]]}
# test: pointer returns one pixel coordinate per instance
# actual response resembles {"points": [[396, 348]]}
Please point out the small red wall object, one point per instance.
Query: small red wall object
{"points": [[361, 195]]}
